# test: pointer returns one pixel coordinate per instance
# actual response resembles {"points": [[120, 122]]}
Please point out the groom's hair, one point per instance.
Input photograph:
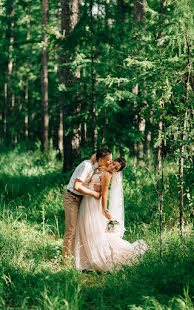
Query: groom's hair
{"points": [[122, 162], [102, 152]]}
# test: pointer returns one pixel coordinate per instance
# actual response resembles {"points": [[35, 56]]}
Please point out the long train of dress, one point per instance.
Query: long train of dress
{"points": [[95, 247]]}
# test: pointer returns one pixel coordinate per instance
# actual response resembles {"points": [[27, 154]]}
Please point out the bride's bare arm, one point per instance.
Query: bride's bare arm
{"points": [[105, 181]]}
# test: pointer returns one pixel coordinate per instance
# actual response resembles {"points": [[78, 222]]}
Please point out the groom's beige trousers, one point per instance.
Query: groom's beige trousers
{"points": [[71, 205]]}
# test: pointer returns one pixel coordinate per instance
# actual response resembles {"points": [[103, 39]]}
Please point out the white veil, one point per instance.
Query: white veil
{"points": [[116, 201]]}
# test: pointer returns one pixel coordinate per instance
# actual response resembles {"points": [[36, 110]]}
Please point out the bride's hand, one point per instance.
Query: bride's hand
{"points": [[107, 214]]}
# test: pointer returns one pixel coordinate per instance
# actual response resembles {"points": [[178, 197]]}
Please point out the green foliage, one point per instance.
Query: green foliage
{"points": [[153, 56]]}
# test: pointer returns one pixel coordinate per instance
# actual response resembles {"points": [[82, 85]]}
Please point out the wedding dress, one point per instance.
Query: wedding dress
{"points": [[96, 248]]}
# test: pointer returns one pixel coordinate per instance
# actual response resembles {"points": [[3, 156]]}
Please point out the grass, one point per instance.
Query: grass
{"points": [[31, 233]]}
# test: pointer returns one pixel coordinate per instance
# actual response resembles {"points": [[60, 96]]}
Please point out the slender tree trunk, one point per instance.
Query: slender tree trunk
{"points": [[60, 123], [135, 149], [181, 161], [181, 174], [84, 122], [104, 127], [162, 6], [160, 146], [149, 137], [148, 141], [5, 113], [8, 95], [58, 129], [107, 14], [139, 16], [69, 19], [93, 99], [139, 10], [11, 78], [26, 113], [26, 108], [121, 9], [140, 146], [13, 103], [160, 164], [161, 199], [44, 78], [1, 128]]}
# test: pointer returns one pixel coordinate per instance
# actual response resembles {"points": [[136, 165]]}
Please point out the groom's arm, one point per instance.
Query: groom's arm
{"points": [[78, 186]]}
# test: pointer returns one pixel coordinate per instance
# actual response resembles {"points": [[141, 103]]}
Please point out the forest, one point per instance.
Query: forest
{"points": [[75, 76]]}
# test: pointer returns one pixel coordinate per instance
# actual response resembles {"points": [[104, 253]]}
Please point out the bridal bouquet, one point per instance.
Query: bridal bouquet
{"points": [[112, 226]]}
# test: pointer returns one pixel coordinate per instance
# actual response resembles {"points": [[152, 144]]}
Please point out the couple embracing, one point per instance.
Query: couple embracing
{"points": [[93, 233]]}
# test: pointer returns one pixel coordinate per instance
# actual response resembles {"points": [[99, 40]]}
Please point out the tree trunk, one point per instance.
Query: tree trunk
{"points": [[44, 78], [84, 122], [160, 146], [161, 199], [139, 15], [26, 113], [139, 10], [93, 108], [135, 91], [107, 14], [69, 19], [58, 129], [148, 140], [181, 171], [26, 119], [8, 95], [181, 161], [60, 123], [121, 9], [5, 113], [104, 128], [140, 146], [160, 163], [162, 6]]}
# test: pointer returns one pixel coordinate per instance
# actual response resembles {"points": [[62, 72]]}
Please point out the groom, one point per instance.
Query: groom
{"points": [[75, 191]]}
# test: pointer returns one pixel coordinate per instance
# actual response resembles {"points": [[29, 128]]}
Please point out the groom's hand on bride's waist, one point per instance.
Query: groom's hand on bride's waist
{"points": [[97, 188], [97, 195]]}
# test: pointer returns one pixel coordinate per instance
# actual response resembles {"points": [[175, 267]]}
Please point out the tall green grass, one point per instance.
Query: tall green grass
{"points": [[31, 233]]}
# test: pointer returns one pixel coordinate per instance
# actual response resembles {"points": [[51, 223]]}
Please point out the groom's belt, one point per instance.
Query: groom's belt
{"points": [[79, 196]]}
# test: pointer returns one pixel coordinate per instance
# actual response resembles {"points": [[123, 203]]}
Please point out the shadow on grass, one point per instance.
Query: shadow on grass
{"points": [[151, 280], [35, 198], [38, 288], [13, 187]]}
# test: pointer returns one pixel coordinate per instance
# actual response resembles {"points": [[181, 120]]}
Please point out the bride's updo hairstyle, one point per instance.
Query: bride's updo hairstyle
{"points": [[122, 162], [102, 152]]}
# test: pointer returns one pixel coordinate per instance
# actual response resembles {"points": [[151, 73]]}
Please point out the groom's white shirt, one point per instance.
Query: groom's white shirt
{"points": [[83, 172]]}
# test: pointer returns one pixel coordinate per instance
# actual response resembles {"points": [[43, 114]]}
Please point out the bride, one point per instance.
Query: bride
{"points": [[98, 242]]}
